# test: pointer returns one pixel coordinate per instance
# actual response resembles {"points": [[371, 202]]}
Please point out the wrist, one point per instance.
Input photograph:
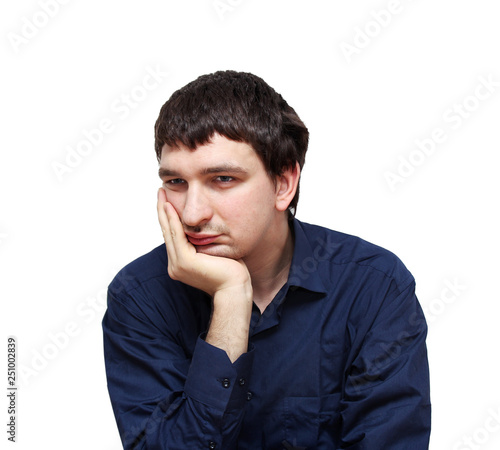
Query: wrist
{"points": [[230, 322], [234, 301]]}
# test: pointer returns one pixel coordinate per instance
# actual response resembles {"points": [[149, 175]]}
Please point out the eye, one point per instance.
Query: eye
{"points": [[224, 178], [174, 181]]}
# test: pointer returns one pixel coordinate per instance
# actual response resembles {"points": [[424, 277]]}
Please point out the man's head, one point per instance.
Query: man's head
{"points": [[241, 107]]}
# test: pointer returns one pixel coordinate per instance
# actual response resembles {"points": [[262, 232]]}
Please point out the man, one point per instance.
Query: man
{"points": [[250, 329]]}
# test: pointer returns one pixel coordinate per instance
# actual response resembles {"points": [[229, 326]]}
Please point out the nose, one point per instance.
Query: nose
{"points": [[197, 210]]}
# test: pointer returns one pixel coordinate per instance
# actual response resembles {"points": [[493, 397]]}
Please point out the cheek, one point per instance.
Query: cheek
{"points": [[176, 199], [247, 210]]}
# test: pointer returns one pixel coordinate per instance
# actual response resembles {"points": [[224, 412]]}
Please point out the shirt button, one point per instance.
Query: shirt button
{"points": [[225, 384], [242, 381], [249, 395], [212, 445]]}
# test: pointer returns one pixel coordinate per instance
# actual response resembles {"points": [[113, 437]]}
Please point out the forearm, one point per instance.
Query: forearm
{"points": [[230, 322], [386, 393], [167, 402], [210, 409]]}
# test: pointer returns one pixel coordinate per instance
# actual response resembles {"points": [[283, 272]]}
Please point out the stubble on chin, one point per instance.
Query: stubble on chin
{"points": [[222, 251]]}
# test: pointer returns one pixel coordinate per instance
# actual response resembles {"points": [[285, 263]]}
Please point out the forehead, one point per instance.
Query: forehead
{"points": [[219, 150]]}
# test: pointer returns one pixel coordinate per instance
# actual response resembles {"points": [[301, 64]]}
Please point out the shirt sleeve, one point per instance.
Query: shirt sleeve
{"points": [[163, 399], [386, 400]]}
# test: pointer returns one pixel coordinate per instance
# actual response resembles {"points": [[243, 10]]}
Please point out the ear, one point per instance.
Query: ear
{"points": [[286, 187]]}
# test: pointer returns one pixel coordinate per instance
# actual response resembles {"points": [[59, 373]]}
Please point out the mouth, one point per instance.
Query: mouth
{"points": [[202, 239]]}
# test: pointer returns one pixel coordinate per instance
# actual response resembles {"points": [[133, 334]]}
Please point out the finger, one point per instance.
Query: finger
{"points": [[176, 229], [162, 195], [164, 224], [162, 217]]}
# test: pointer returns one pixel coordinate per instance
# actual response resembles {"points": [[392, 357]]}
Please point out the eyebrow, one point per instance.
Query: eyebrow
{"points": [[223, 168], [163, 172]]}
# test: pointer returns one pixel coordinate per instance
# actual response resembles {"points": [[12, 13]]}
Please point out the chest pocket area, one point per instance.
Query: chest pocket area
{"points": [[301, 423]]}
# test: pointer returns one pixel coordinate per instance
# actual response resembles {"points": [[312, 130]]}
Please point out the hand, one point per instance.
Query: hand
{"points": [[208, 273]]}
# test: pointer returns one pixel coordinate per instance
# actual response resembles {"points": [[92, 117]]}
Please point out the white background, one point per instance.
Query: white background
{"points": [[63, 239]]}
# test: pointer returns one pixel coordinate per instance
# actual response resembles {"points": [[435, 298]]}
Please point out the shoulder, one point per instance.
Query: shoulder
{"points": [[143, 294], [341, 250], [147, 268]]}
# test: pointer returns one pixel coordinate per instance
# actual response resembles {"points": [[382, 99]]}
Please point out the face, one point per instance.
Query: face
{"points": [[224, 197]]}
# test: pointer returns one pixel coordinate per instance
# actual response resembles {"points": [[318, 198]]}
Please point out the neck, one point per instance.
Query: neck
{"points": [[269, 269]]}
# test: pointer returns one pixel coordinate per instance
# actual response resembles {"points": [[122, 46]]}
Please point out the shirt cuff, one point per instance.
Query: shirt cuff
{"points": [[214, 381]]}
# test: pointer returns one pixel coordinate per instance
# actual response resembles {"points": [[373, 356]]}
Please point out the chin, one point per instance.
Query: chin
{"points": [[222, 251]]}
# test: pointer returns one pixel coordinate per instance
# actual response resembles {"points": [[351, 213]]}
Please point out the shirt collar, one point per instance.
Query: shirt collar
{"points": [[304, 268]]}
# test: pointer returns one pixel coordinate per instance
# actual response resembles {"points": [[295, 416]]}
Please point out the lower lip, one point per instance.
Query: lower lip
{"points": [[203, 241]]}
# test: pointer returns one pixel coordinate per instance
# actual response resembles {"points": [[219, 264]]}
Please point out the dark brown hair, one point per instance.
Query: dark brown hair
{"points": [[242, 107]]}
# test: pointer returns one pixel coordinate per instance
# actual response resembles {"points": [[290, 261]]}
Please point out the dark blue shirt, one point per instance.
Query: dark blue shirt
{"points": [[336, 361]]}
